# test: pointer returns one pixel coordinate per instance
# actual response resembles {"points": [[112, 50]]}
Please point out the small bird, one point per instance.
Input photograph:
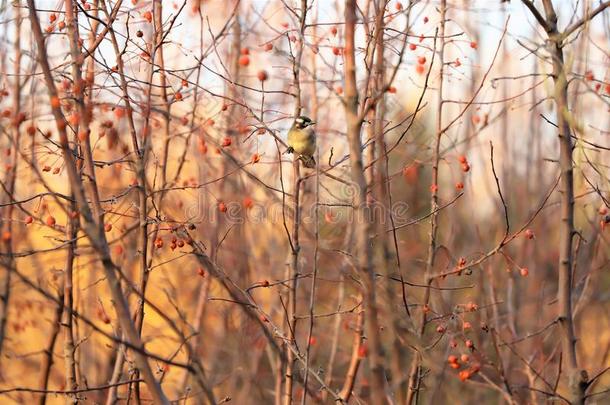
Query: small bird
{"points": [[302, 140]]}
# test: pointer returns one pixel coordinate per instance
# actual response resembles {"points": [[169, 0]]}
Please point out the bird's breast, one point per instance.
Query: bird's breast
{"points": [[302, 141]]}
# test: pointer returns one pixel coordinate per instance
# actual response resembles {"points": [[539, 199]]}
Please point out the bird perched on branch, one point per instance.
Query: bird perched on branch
{"points": [[302, 140]]}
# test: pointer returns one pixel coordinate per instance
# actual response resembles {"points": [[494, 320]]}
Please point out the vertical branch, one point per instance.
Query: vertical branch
{"points": [[296, 219], [362, 217], [432, 244], [67, 317], [7, 234]]}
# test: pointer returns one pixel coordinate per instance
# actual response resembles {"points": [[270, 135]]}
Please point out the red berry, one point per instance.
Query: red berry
{"points": [[50, 220], [473, 45], [262, 75], [245, 51], [426, 19], [333, 31], [529, 234], [226, 141], [363, 350], [29, 219], [589, 76], [452, 359], [421, 60], [524, 271], [222, 207], [412, 47]]}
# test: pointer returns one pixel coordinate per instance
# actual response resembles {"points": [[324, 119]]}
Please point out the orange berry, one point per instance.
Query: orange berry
{"points": [[465, 167], [529, 234], [265, 283], [464, 358], [226, 141], [268, 46], [412, 47], [52, 17], [459, 185], [201, 271], [222, 207], [466, 325], [454, 365], [29, 219], [420, 69], [248, 203], [312, 341], [74, 118], [469, 343], [398, 6], [147, 16], [55, 102], [524, 271], [464, 375], [473, 45], [178, 96], [452, 359], [462, 159], [244, 60], [6, 236], [244, 51], [333, 31], [50, 220], [392, 89], [441, 329], [256, 158], [421, 60], [336, 51], [108, 227]]}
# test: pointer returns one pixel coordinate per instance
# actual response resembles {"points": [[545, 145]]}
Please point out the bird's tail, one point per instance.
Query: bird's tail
{"points": [[308, 161]]}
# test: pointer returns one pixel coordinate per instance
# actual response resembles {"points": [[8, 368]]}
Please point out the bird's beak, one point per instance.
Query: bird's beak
{"points": [[312, 123]]}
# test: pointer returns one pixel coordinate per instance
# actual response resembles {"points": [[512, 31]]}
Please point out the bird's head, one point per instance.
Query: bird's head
{"points": [[303, 122]]}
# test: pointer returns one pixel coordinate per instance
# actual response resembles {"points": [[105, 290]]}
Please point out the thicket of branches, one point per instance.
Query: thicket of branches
{"points": [[158, 244]]}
